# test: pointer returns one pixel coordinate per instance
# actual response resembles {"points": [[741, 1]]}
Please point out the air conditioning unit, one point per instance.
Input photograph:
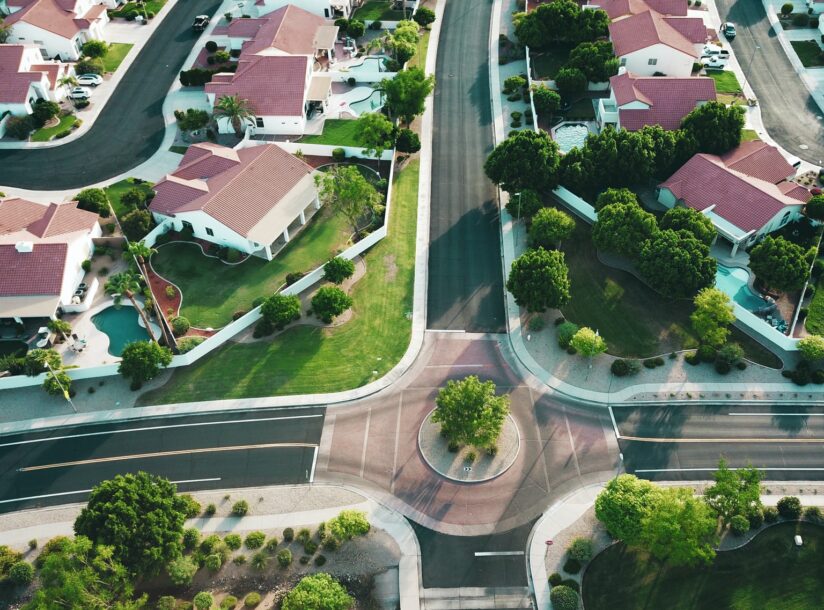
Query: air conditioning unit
{"points": [[24, 246]]}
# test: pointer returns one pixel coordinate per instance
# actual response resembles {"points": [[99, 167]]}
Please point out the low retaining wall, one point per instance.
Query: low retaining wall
{"points": [[325, 150]]}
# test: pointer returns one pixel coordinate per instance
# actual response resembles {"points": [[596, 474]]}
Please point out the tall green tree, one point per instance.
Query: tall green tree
{"points": [[623, 229], [128, 284], [595, 59], [735, 492], [781, 264], [676, 264], [549, 227], [402, 42], [623, 504], [470, 413], [93, 200], [140, 516], [141, 361], [344, 189], [815, 207], [712, 316], [539, 280], [690, 220], [547, 102], [616, 195], [280, 310], [406, 93], [95, 48], [317, 592], [236, 110], [571, 82], [715, 126], [375, 132], [524, 161]]}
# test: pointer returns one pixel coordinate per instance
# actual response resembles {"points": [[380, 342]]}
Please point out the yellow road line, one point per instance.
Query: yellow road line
{"points": [[641, 439], [156, 454]]}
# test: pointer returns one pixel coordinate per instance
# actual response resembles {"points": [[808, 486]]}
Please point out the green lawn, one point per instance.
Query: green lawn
{"points": [[336, 132], [379, 10], [748, 135], [44, 134], [115, 191], [178, 150], [306, 359], [808, 52], [769, 573], [152, 6], [419, 60], [547, 62], [582, 110], [725, 82], [815, 317], [117, 52], [213, 291]]}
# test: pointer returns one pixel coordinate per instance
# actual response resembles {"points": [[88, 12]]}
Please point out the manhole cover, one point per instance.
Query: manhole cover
{"points": [[804, 147]]}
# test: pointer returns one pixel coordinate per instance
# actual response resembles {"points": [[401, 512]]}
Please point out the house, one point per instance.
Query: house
{"points": [[652, 44], [636, 101], [328, 9], [745, 192], [250, 199], [58, 27], [817, 7], [617, 9], [42, 249]]}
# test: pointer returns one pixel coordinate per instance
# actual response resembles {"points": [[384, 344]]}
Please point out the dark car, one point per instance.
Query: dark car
{"points": [[728, 30], [200, 23]]}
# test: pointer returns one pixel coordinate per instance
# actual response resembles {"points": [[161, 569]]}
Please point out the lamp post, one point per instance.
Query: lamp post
{"points": [[519, 204]]}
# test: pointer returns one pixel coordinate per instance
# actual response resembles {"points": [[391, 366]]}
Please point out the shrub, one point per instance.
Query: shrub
{"points": [[572, 565], [407, 141], [33, 543], [255, 540], [623, 368], [563, 598], [191, 538], [566, 331], [692, 358], [285, 558], [555, 579], [240, 508], [288, 534], [572, 584], [331, 543], [786, 9], [812, 513], [293, 277], [203, 600], [649, 363], [770, 514], [180, 325], [239, 560], [756, 518], [233, 541], [21, 573], [304, 535], [192, 506], [19, 127], [581, 549], [213, 562], [375, 25], [309, 547], [271, 546], [320, 560], [187, 344], [181, 571], [739, 525], [252, 600], [228, 603], [329, 302], [211, 46], [536, 324], [789, 507], [722, 367], [706, 353], [338, 269], [167, 602], [260, 560], [211, 509], [43, 111], [514, 83], [338, 154], [348, 524], [89, 65], [222, 57]]}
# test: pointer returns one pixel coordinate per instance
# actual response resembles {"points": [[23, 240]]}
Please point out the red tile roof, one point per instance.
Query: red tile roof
{"points": [[670, 99], [43, 221], [54, 16], [289, 29], [14, 83], [622, 8], [692, 28], [274, 85], [650, 28], [746, 201], [39, 272], [240, 194], [759, 160]]}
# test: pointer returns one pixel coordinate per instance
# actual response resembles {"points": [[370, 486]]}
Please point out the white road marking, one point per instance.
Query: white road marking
{"points": [[314, 463], [85, 491], [455, 366], [497, 553], [365, 441], [771, 414], [614, 425], [793, 469], [150, 428]]}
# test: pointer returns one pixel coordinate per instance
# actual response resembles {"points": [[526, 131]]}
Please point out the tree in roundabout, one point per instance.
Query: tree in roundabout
{"points": [[470, 413]]}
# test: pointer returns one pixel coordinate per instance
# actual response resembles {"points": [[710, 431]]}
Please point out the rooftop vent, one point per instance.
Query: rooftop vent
{"points": [[24, 246]]}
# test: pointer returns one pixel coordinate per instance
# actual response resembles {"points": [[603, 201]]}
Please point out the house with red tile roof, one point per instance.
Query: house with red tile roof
{"points": [[746, 192], [637, 101], [25, 78], [650, 43], [328, 9], [252, 199], [618, 9], [58, 27], [42, 249]]}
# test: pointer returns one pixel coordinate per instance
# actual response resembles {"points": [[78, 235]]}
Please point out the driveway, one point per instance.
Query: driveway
{"points": [[130, 128], [465, 277], [789, 112]]}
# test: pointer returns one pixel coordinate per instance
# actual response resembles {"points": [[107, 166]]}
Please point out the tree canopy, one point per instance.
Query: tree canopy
{"points": [[715, 126], [815, 207], [337, 269], [142, 360], [623, 228], [280, 310], [344, 189], [712, 316], [676, 264], [524, 204], [588, 343], [140, 516], [406, 93], [781, 264], [623, 504], [571, 82], [549, 227], [735, 492], [470, 413], [547, 101], [559, 21], [616, 195], [539, 280], [329, 302], [595, 59], [526, 160], [693, 221], [317, 592], [375, 132], [812, 348]]}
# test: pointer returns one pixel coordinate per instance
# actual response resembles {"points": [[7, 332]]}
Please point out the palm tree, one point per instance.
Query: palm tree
{"points": [[140, 253], [127, 284], [235, 109], [67, 81]]}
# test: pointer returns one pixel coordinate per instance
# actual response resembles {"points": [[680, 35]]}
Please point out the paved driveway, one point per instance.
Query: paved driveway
{"points": [[789, 112], [130, 128]]}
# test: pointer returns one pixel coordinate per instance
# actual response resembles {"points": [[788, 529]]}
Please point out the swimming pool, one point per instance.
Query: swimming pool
{"points": [[373, 103], [571, 135], [370, 64], [735, 282], [122, 326]]}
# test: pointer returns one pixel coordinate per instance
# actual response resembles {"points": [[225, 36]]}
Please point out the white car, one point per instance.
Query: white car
{"points": [[713, 50], [80, 93], [714, 62], [91, 80]]}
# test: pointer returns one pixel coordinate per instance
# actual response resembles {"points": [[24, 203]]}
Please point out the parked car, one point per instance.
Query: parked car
{"points": [[714, 62], [80, 93], [200, 23], [728, 30], [713, 50], [91, 80]]}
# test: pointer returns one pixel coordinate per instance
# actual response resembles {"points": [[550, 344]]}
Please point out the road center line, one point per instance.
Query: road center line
{"points": [[640, 439], [497, 553], [150, 428], [156, 454], [85, 491], [772, 414]]}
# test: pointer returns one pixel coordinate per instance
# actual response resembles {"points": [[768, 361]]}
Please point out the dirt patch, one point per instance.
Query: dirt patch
{"points": [[391, 267]]}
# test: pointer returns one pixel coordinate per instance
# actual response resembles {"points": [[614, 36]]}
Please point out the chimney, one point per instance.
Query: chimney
{"points": [[24, 247]]}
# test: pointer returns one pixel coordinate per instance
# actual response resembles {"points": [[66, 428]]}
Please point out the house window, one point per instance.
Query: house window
{"points": [[209, 232], [623, 61], [652, 62], [258, 122]]}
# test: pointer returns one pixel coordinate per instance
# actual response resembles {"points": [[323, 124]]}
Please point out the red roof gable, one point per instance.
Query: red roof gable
{"points": [[14, 83], [622, 8], [759, 160], [647, 29], [39, 272], [44, 221], [669, 99]]}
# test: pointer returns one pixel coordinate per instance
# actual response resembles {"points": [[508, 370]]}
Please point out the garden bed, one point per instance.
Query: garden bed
{"points": [[547, 62], [115, 191], [65, 124], [809, 53]]}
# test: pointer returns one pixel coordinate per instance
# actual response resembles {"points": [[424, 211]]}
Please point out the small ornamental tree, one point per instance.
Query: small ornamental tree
{"points": [[563, 597], [140, 516], [406, 93], [688, 219], [348, 193], [93, 200], [142, 361], [547, 102], [712, 316], [470, 413], [815, 207], [136, 224], [571, 82], [623, 228], [317, 592], [623, 503], [57, 383], [735, 492], [550, 226], [539, 280], [676, 264], [375, 133], [780, 263], [616, 195], [203, 600], [789, 507], [812, 348], [181, 571], [525, 160], [588, 343], [329, 302], [95, 48], [44, 111], [338, 269], [424, 16], [280, 310], [524, 204], [134, 198], [407, 141]]}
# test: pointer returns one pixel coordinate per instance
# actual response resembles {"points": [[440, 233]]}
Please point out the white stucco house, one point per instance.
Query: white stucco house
{"points": [[42, 249], [251, 199], [329, 9], [745, 192], [58, 27]]}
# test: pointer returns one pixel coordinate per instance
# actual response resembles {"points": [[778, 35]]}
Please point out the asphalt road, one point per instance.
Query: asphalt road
{"points": [[130, 128], [465, 280], [685, 443], [219, 451], [789, 112]]}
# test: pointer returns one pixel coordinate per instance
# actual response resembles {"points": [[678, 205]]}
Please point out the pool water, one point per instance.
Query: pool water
{"points": [[571, 136], [370, 64], [122, 327], [734, 282], [372, 103]]}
